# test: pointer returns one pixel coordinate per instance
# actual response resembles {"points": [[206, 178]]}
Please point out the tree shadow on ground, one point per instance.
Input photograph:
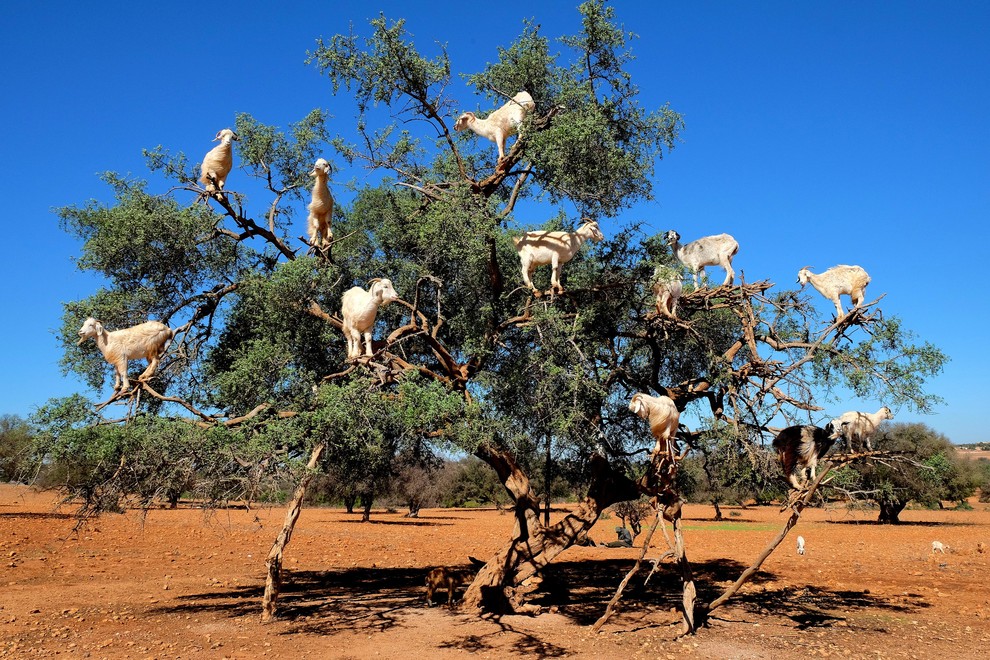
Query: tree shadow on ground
{"points": [[411, 522], [37, 516], [903, 523], [376, 599], [524, 643]]}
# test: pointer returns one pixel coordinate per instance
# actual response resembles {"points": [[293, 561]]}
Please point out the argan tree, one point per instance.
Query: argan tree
{"points": [[531, 385], [934, 472]]}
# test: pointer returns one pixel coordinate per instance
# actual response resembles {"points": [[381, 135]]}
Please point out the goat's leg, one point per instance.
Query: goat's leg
{"points": [[367, 341], [150, 371], [555, 274], [120, 376], [729, 273], [527, 273]]}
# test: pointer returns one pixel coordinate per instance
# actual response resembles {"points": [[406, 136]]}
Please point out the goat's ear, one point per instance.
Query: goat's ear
{"points": [[217, 138], [99, 328]]}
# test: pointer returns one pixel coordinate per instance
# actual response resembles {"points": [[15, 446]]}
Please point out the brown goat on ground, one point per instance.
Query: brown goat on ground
{"points": [[449, 578]]}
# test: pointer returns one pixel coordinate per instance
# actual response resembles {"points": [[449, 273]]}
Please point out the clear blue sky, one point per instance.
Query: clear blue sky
{"points": [[816, 133]]}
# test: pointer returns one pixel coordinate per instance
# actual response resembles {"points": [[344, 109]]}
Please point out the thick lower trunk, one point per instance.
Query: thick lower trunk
{"points": [[890, 512], [672, 512], [366, 501], [718, 510], [513, 572]]}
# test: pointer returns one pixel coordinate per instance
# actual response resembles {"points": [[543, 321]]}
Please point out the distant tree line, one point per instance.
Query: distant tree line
{"points": [[718, 473]]}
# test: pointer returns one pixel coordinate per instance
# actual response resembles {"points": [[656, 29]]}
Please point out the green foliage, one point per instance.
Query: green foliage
{"points": [[283, 161], [15, 446], [473, 481], [892, 359]]}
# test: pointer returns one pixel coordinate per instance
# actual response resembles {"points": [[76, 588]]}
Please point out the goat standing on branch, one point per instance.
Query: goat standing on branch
{"points": [[539, 248], [663, 417], [359, 309], [799, 448], [146, 340], [836, 281], [667, 289], [321, 208], [860, 427], [218, 162], [715, 250], [501, 123]]}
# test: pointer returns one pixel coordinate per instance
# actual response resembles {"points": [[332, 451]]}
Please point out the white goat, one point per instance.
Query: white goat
{"points": [[662, 415], [218, 161], [539, 248], [667, 289], [715, 250], [860, 426], [501, 123], [146, 340], [800, 545], [938, 546], [321, 208], [359, 309], [837, 281], [799, 448]]}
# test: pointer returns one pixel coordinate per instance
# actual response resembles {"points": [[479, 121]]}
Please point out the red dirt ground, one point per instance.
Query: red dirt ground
{"points": [[187, 584]]}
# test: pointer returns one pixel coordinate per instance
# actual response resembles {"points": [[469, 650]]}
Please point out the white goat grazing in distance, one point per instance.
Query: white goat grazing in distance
{"points": [[359, 309], [860, 427], [715, 250], [667, 289], [218, 162], [321, 208], [146, 340], [539, 248], [800, 447], [800, 545], [662, 415], [837, 281], [501, 123]]}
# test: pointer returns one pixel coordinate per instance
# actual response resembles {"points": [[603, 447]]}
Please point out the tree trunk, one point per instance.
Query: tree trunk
{"points": [[349, 500], [672, 505], [718, 511], [366, 501], [413, 509], [512, 573], [546, 484], [890, 512], [274, 561]]}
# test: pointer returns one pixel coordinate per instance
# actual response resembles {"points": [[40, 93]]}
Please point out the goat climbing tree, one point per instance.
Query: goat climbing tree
{"points": [[257, 377]]}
